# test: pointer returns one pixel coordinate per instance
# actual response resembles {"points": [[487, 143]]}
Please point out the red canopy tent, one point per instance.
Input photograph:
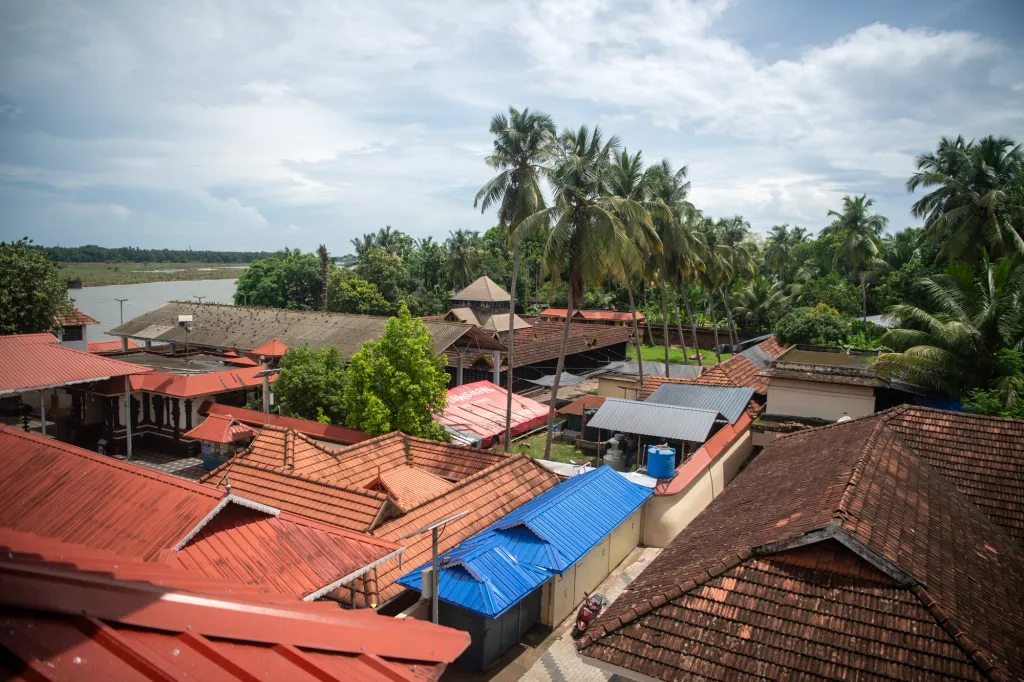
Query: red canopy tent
{"points": [[479, 409]]}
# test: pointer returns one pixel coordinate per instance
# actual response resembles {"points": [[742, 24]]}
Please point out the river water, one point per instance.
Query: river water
{"points": [[101, 303]]}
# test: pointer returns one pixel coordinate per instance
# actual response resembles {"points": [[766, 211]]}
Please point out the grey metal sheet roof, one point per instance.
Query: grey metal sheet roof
{"points": [[729, 402], [549, 380], [245, 328], [653, 419], [758, 356], [652, 368]]}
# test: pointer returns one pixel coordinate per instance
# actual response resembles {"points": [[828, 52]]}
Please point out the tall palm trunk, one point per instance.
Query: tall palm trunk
{"points": [[511, 345], [679, 327], [693, 328], [664, 317], [558, 370], [647, 322], [636, 332], [734, 338], [864, 293], [714, 324]]}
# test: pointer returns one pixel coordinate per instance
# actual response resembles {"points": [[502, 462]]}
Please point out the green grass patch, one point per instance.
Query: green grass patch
{"points": [[534, 447], [657, 354]]}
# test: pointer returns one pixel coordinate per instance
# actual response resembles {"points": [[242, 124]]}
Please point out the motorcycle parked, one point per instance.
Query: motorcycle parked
{"points": [[589, 610]]}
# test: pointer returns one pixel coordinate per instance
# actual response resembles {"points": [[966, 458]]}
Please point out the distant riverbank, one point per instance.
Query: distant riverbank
{"points": [[106, 274]]}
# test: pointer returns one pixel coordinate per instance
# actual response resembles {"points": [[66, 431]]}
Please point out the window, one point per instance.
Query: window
{"points": [[72, 333]]}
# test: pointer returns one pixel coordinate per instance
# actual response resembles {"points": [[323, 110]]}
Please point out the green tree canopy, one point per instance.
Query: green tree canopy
{"points": [[819, 326], [287, 279], [311, 384], [348, 293], [398, 382], [832, 290], [32, 291]]}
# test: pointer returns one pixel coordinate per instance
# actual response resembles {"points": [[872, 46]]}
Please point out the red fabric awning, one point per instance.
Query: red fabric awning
{"points": [[479, 408]]}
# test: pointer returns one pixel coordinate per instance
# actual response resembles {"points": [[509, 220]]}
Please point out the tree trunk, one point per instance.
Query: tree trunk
{"points": [[636, 332], [714, 324], [647, 321], [558, 370], [664, 317], [734, 338], [864, 294], [679, 327], [693, 328], [511, 346]]}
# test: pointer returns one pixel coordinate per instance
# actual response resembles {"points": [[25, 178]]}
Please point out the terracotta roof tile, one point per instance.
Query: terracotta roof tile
{"points": [[223, 430], [75, 318], [109, 346], [736, 371], [724, 602], [585, 402], [328, 432], [410, 486], [543, 340], [36, 361], [489, 495]]}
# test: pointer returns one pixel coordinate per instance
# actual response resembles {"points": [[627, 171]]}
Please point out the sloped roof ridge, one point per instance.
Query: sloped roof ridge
{"points": [[456, 446], [309, 478], [905, 409], [122, 465], [507, 462], [342, 454], [842, 512]]}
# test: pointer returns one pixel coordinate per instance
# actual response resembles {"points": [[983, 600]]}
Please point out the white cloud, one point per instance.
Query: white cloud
{"points": [[341, 117]]}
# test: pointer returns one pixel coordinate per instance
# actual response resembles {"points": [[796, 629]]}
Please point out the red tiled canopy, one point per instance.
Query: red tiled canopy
{"points": [[272, 349], [30, 362], [219, 429]]}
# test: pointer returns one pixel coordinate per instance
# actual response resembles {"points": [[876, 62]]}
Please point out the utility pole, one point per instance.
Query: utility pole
{"points": [[434, 564], [200, 299], [121, 301]]}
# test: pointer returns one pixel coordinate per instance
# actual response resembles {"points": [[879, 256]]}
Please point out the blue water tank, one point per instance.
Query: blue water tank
{"points": [[661, 461]]}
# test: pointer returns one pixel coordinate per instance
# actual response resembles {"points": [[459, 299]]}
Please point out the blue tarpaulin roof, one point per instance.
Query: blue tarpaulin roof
{"points": [[493, 570]]}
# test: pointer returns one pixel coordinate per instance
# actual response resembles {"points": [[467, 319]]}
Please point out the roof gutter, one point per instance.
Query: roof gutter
{"points": [[351, 576]]}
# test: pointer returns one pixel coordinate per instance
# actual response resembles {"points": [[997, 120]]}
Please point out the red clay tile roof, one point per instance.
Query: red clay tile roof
{"points": [[74, 613], [489, 494], [982, 456], [218, 429], [56, 490], [272, 348], [721, 603], [307, 427], [696, 464], [240, 361], [288, 554], [37, 361], [618, 316], [190, 386], [585, 402], [109, 346], [736, 371], [410, 486], [542, 341], [356, 509], [75, 318]]}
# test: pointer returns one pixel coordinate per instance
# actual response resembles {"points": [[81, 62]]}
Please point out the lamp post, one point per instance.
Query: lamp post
{"points": [[199, 298], [121, 301]]}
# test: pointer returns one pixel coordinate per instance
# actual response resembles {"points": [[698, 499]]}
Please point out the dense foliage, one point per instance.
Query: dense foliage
{"points": [[90, 253], [820, 326], [32, 291], [311, 384], [397, 382]]}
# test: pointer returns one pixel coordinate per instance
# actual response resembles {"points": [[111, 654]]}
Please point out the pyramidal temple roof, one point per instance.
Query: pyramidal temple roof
{"points": [[483, 289]]}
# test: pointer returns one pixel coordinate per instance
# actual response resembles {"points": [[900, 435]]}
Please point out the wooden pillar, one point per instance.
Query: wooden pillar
{"points": [[188, 414], [176, 417]]}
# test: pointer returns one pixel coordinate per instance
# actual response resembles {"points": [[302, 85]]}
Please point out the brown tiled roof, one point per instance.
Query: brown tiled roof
{"points": [[724, 600], [736, 371], [982, 456], [351, 508], [584, 402], [543, 340], [76, 317], [489, 495]]}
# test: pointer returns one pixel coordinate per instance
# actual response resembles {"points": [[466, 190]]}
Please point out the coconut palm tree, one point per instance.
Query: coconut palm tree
{"points": [[760, 303], [973, 205], [585, 227], [686, 268], [628, 180], [901, 247], [463, 254], [522, 141], [860, 232], [955, 343], [670, 190]]}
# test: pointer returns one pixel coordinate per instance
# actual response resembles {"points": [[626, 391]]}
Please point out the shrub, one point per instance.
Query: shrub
{"points": [[821, 325]]}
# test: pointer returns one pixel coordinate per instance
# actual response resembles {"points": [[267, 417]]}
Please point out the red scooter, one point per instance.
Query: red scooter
{"points": [[591, 607]]}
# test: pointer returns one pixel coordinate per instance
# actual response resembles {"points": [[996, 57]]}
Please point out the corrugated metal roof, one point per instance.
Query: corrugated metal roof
{"points": [[493, 570], [652, 419], [245, 328], [73, 613], [30, 362], [729, 402], [758, 356], [480, 408], [109, 346], [566, 379], [653, 368]]}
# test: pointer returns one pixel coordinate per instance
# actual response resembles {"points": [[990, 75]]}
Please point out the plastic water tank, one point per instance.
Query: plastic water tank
{"points": [[661, 461], [615, 459]]}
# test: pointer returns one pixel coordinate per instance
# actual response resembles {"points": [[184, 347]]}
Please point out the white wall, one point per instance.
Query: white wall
{"points": [[818, 399], [667, 515]]}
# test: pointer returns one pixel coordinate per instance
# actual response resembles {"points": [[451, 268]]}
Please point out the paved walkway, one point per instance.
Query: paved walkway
{"points": [[560, 662], [186, 467]]}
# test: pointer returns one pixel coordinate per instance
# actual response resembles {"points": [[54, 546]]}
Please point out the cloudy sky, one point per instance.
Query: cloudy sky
{"points": [[228, 124]]}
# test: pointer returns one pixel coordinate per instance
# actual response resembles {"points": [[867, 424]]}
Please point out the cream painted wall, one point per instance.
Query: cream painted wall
{"points": [[667, 515], [617, 388], [592, 568], [625, 538], [562, 599], [818, 399]]}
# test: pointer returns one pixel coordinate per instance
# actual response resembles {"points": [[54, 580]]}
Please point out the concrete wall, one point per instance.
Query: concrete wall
{"points": [[667, 515], [625, 538], [611, 387], [817, 399]]}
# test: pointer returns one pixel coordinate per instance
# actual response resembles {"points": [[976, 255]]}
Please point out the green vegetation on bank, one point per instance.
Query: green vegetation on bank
{"points": [[105, 274], [91, 253]]}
